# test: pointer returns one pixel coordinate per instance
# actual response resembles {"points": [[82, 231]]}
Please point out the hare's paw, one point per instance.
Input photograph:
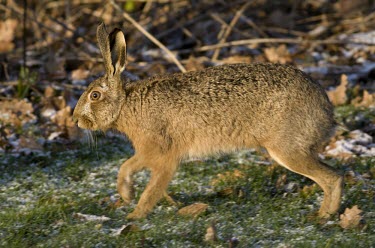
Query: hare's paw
{"points": [[332, 198], [323, 214], [126, 192], [170, 200], [136, 215]]}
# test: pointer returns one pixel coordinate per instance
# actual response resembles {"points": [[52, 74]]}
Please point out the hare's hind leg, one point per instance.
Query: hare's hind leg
{"points": [[326, 177], [125, 178], [162, 171]]}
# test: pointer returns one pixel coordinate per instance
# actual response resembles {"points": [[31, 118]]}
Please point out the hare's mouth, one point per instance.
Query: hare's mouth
{"points": [[86, 123]]}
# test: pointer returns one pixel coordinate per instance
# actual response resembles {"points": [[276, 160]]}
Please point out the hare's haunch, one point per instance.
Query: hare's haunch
{"points": [[219, 109]]}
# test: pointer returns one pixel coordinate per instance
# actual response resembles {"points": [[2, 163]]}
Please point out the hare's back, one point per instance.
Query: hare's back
{"points": [[241, 86]]}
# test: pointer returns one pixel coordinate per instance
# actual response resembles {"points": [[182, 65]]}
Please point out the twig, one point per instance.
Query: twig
{"points": [[24, 32], [229, 29], [217, 18], [285, 31], [148, 35], [254, 26], [278, 40], [182, 25]]}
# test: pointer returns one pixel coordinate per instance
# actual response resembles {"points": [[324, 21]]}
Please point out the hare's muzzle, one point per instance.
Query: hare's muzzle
{"points": [[75, 120]]}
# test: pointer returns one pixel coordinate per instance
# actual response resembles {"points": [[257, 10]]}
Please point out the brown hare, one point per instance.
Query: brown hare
{"points": [[219, 109]]}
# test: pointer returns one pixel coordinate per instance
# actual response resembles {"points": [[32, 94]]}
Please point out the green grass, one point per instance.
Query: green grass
{"points": [[40, 194]]}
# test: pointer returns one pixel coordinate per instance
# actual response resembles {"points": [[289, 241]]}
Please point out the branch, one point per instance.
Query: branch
{"points": [[228, 30], [278, 40]]}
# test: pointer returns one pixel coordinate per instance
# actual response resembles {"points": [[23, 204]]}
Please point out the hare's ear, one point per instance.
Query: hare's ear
{"points": [[103, 40], [118, 50]]}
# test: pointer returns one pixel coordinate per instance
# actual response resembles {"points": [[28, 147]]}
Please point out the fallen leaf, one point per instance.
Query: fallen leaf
{"points": [[351, 218], [63, 117], [59, 102], [80, 74], [211, 233], [16, 112], [7, 31], [195, 64], [278, 55], [227, 191], [346, 6], [228, 177], [193, 210], [49, 92], [236, 59], [367, 100], [281, 181], [309, 190], [338, 95]]}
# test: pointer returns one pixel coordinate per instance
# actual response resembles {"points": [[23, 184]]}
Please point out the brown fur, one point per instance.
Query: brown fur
{"points": [[219, 109]]}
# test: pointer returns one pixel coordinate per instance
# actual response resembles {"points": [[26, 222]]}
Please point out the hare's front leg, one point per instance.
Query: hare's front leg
{"points": [[125, 178], [161, 175]]}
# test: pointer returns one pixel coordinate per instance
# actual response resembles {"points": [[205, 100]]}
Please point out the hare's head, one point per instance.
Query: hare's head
{"points": [[100, 105]]}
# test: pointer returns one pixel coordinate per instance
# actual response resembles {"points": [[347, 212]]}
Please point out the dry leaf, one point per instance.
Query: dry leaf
{"points": [[228, 177], [236, 59], [368, 100], [278, 55], [193, 210], [49, 92], [347, 6], [338, 95], [211, 234], [63, 117], [80, 74], [7, 31], [195, 64], [281, 181], [309, 190], [16, 112], [59, 102], [351, 218], [227, 191]]}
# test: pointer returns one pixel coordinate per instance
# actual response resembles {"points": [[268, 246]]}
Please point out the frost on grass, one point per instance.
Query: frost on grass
{"points": [[357, 144], [90, 217]]}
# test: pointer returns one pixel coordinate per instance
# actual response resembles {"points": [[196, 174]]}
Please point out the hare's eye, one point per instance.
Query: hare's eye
{"points": [[95, 95]]}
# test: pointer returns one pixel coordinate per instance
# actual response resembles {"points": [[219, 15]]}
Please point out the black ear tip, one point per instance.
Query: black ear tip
{"points": [[115, 31]]}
